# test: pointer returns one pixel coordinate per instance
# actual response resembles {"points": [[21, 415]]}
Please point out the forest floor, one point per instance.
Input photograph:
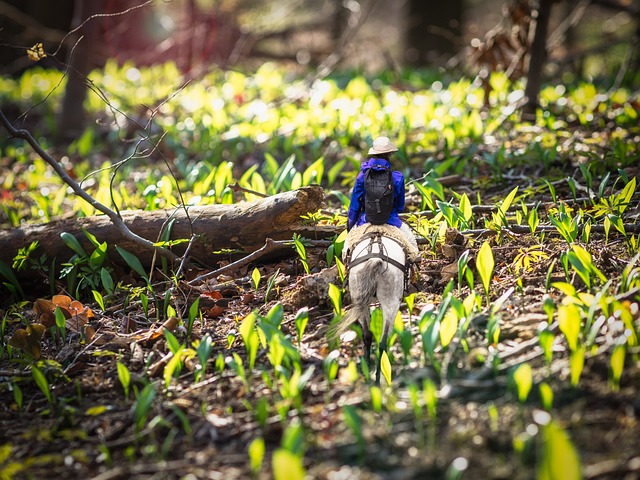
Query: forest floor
{"points": [[188, 428]]}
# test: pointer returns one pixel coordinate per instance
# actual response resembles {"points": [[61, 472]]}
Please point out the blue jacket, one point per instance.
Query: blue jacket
{"points": [[356, 213]]}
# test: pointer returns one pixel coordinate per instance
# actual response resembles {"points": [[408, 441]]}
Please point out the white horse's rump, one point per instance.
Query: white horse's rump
{"points": [[377, 266]]}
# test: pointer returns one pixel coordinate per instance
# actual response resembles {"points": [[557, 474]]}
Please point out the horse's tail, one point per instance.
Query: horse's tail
{"points": [[366, 284]]}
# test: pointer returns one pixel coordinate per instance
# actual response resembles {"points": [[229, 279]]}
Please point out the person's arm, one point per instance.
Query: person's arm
{"points": [[355, 205], [399, 190]]}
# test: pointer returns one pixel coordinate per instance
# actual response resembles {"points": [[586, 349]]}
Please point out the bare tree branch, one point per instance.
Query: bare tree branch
{"points": [[79, 191]]}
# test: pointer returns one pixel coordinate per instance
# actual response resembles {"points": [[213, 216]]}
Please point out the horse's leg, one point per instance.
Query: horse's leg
{"points": [[390, 292], [367, 337], [382, 349]]}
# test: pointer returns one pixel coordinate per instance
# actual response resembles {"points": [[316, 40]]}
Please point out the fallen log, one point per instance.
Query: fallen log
{"points": [[244, 226]]}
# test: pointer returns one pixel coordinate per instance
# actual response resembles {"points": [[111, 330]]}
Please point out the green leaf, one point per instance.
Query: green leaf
{"points": [[448, 327], [250, 337], [7, 273], [559, 459], [91, 237], [385, 367], [73, 243], [506, 203], [256, 454], [546, 395], [485, 264], [617, 366], [376, 398], [133, 262], [523, 378], [335, 295], [465, 207], [569, 322], [255, 278], [143, 405], [566, 288], [107, 281], [124, 376], [174, 365], [194, 310], [42, 383], [626, 194], [376, 325], [99, 255], [172, 341], [97, 296], [576, 365], [287, 466]]}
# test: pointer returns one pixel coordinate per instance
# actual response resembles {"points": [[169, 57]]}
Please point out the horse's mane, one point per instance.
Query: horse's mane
{"points": [[357, 233]]}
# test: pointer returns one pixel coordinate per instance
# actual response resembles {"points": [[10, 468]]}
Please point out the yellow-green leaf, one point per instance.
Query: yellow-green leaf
{"points": [[559, 459], [569, 323], [485, 264], [448, 327], [546, 395], [576, 364], [287, 465], [385, 367], [97, 410], [256, 454], [523, 378], [617, 365]]}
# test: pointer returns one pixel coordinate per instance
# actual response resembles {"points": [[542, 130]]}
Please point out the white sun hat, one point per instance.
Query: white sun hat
{"points": [[382, 145]]}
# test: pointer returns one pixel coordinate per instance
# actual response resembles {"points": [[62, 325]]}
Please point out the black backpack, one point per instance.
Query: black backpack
{"points": [[378, 195]]}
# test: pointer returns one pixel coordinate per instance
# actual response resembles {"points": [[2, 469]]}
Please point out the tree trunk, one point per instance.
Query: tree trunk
{"points": [[433, 31], [537, 59], [72, 115], [243, 226]]}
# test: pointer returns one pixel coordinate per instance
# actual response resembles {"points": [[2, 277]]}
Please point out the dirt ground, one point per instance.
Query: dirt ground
{"points": [[203, 429]]}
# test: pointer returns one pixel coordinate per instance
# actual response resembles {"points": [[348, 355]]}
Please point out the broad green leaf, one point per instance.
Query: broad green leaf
{"points": [[172, 342], [376, 398], [626, 194], [256, 454], [133, 262], [465, 207], [385, 367], [335, 295], [559, 459], [448, 327], [97, 296], [255, 278], [107, 281], [523, 378], [566, 288], [506, 203], [99, 255], [576, 365], [144, 401], [287, 466], [124, 376], [617, 366], [174, 365], [91, 237], [72, 242], [569, 321], [97, 410], [377, 324], [485, 264], [42, 383], [546, 396]]}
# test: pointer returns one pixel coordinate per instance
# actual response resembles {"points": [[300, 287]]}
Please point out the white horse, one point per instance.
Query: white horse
{"points": [[378, 259]]}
